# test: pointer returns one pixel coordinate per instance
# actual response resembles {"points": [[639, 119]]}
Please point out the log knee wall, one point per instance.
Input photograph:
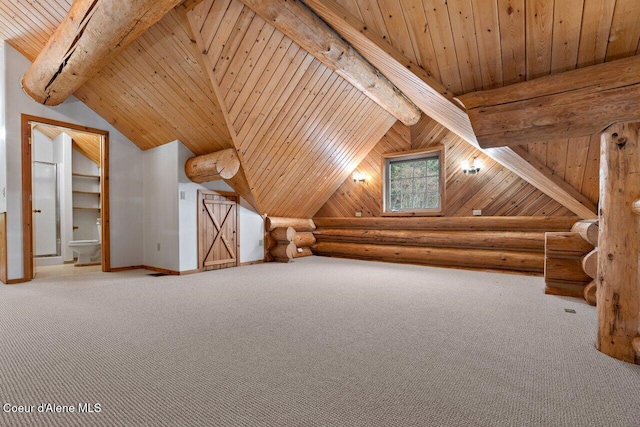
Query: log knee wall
{"points": [[497, 243]]}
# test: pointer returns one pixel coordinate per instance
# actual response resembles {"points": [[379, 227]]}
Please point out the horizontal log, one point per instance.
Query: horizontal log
{"points": [[566, 105], [283, 234], [590, 264], [298, 224], [269, 242], [565, 245], [589, 293], [529, 240], [283, 250], [588, 229], [516, 223], [282, 259], [304, 239], [223, 164], [565, 270], [87, 39], [474, 258], [303, 252]]}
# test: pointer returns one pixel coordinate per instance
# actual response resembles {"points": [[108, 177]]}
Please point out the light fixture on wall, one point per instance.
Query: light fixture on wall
{"points": [[359, 176], [472, 167]]}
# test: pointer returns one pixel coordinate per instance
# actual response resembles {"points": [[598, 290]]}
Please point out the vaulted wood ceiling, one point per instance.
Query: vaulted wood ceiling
{"points": [[86, 143], [157, 90], [299, 128]]}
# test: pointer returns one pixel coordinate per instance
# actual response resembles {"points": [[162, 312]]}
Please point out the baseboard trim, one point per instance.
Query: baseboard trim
{"points": [[161, 270], [129, 268], [259, 261], [16, 281], [187, 272]]}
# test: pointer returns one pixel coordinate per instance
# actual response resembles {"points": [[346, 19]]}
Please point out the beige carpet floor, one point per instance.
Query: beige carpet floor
{"points": [[318, 342]]}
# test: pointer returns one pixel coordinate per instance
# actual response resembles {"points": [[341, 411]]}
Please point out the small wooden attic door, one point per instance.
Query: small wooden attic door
{"points": [[217, 230]]}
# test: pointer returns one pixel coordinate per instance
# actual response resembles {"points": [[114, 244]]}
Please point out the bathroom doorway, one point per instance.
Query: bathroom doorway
{"points": [[65, 197]]}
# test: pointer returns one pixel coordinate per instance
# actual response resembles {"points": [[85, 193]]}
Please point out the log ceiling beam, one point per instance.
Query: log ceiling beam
{"points": [[304, 27], [430, 95], [89, 37], [566, 105], [434, 100]]}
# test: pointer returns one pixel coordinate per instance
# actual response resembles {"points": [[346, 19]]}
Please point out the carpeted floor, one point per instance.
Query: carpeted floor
{"points": [[318, 342]]}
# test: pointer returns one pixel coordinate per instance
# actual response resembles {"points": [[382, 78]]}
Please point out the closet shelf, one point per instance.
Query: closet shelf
{"points": [[82, 175], [97, 193]]}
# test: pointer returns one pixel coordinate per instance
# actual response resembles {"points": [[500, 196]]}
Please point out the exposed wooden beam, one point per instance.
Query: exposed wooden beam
{"points": [[301, 25], [434, 100], [187, 5], [567, 105], [223, 164], [430, 95], [92, 33]]}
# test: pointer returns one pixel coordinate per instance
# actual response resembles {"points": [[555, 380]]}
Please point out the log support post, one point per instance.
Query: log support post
{"points": [[618, 292]]}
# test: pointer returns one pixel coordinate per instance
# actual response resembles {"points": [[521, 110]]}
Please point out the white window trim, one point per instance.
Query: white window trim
{"points": [[435, 150]]}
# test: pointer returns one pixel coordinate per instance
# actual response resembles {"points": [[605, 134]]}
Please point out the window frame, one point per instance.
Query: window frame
{"points": [[433, 151]]}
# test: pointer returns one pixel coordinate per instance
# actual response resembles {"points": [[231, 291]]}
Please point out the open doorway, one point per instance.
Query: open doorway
{"points": [[65, 197]]}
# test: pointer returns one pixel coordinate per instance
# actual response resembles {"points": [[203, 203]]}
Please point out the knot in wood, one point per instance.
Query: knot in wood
{"points": [[621, 142], [609, 256]]}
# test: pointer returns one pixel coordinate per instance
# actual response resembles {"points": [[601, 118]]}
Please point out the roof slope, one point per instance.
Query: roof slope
{"points": [[298, 127]]}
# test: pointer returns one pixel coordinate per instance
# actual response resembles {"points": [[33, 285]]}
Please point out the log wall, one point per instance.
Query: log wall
{"points": [[500, 243], [563, 272]]}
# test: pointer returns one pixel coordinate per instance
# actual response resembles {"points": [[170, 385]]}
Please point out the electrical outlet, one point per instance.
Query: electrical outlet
{"points": [[183, 195], [477, 212], [299, 250], [358, 214], [158, 247], [260, 242]]}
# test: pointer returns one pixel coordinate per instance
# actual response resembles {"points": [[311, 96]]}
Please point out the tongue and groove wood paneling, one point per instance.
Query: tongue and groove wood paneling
{"points": [[299, 128], [154, 92], [495, 190]]}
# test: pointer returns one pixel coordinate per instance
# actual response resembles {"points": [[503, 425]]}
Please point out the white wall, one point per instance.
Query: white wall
{"points": [[172, 221], [3, 148], [125, 168], [42, 147], [160, 243], [62, 155]]}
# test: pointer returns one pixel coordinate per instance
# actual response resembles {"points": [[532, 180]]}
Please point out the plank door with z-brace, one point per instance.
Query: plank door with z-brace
{"points": [[217, 230]]}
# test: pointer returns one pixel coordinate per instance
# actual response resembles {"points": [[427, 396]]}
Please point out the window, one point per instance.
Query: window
{"points": [[414, 183]]}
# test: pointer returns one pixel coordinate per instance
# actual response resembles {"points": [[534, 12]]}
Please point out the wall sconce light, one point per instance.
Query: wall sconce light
{"points": [[472, 167], [359, 176]]}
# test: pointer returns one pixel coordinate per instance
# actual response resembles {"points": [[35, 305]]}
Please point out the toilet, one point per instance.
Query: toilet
{"points": [[88, 251]]}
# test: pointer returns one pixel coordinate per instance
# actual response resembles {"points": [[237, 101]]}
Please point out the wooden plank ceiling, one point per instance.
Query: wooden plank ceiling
{"points": [[86, 143], [156, 91], [298, 127], [472, 45], [495, 190]]}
